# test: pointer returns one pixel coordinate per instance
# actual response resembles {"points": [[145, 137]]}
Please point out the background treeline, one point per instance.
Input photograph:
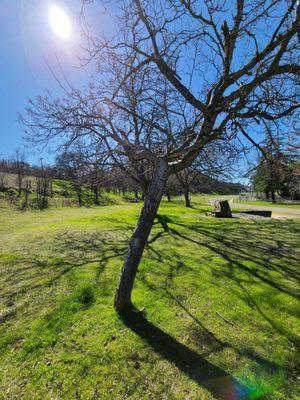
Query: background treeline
{"points": [[277, 173], [78, 179]]}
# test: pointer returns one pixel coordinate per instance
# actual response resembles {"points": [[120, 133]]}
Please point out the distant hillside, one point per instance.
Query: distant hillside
{"points": [[9, 180], [205, 184]]}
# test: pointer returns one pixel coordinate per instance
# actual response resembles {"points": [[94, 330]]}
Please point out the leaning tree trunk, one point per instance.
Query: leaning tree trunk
{"points": [[140, 236]]}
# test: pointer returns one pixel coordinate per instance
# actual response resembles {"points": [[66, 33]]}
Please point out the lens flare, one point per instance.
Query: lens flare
{"points": [[60, 22]]}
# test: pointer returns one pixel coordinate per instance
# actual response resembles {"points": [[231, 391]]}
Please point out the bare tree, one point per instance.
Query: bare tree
{"points": [[95, 168], [179, 76], [27, 190], [72, 167], [20, 168], [43, 186], [215, 160]]}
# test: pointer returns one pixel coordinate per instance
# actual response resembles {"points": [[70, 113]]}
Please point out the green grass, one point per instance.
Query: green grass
{"points": [[220, 298], [268, 204], [63, 195]]}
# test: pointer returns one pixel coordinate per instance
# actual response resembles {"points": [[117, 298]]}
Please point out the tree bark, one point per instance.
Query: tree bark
{"points": [[273, 196], [187, 197], [79, 197], [20, 178], [140, 236], [168, 194], [96, 194]]}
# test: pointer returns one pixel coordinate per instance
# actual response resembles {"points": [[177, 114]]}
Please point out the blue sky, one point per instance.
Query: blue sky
{"points": [[26, 41], [27, 45]]}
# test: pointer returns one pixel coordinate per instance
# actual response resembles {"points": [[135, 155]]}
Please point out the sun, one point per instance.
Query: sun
{"points": [[60, 22]]}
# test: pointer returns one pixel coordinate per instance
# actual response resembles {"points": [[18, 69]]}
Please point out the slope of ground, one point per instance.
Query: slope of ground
{"points": [[11, 181], [220, 298]]}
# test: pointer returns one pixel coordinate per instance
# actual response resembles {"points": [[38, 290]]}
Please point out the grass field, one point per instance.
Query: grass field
{"points": [[268, 204], [220, 301]]}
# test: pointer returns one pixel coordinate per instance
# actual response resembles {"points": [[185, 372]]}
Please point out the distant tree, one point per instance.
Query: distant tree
{"points": [[96, 173], [43, 187], [20, 168], [295, 181], [27, 191], [172, 188], [274, 172], [72, 167], [215, 161]]}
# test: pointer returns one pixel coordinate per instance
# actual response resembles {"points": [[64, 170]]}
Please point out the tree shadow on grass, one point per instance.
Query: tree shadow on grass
{"points": [[208, 339], [241, 248], [237, 252], [209, 376], [221, 344], [25, 277]]}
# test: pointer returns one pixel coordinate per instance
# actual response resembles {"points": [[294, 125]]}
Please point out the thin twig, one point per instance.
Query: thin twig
{"points": [[226, 320]]}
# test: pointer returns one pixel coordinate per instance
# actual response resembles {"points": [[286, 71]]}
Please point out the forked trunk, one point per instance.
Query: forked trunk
{"points": [[140, 236]]}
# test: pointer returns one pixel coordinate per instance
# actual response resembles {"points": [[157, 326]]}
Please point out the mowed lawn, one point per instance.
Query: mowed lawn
{"points": [[268, 204], [219, 301]]}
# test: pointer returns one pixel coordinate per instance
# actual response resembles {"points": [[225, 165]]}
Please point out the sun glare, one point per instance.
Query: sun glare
{"points": [[60, 22]]}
